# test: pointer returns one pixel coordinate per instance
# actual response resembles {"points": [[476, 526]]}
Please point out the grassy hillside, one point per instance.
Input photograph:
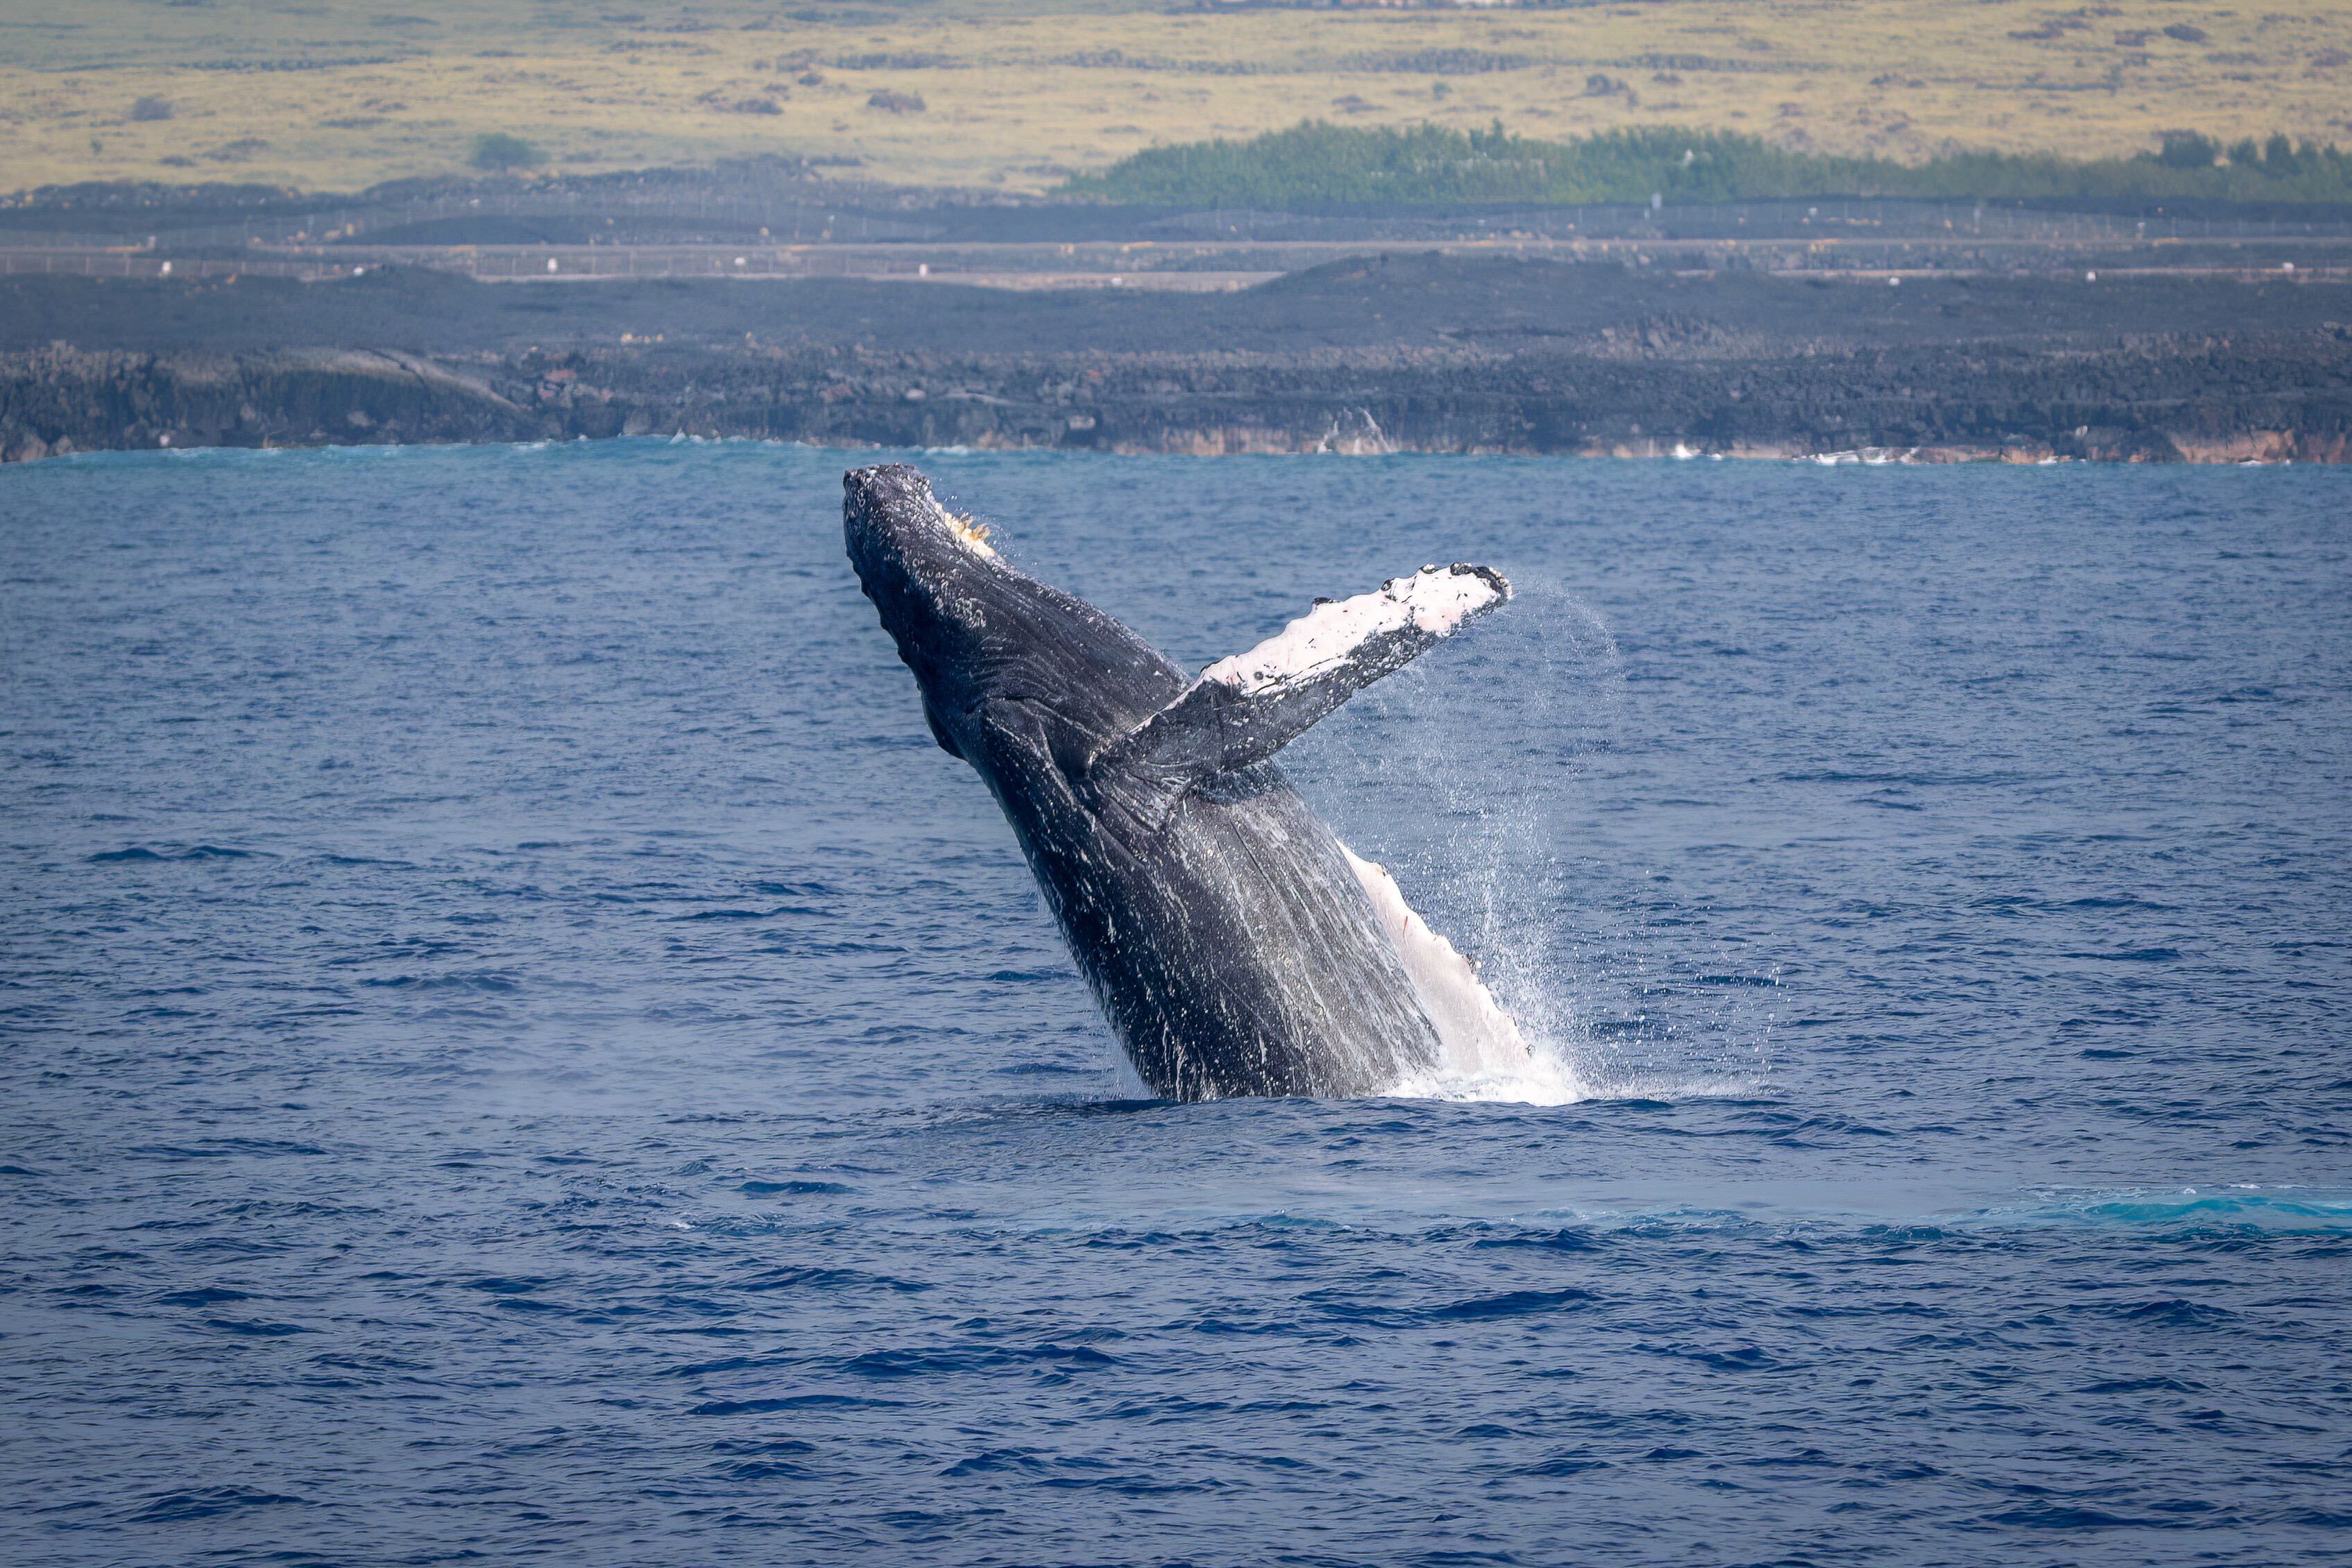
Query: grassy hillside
{"points": [[1319, 163], [337, 94]]}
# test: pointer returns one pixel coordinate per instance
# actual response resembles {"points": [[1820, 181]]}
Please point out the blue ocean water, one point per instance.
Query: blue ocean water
{"points": [[515, 1045]]}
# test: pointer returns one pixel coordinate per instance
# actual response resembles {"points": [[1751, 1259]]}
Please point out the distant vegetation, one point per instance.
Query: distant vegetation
{"points": [[336, 98], [496, 150], [1318, 162]]}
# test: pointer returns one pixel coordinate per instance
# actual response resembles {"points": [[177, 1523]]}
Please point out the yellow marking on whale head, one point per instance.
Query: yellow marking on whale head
{"points": [[972, 532]]}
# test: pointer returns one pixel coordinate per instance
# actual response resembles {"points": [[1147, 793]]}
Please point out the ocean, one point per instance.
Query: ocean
{"points": [[515, 1044]]}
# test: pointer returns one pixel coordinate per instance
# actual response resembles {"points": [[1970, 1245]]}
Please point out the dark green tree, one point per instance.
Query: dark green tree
{"points": [[2188, 150], [496, 150]]}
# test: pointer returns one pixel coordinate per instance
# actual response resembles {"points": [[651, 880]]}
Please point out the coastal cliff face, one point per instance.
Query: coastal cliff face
{"points": [[2208, 402], [1426, 355], [61, 400]]}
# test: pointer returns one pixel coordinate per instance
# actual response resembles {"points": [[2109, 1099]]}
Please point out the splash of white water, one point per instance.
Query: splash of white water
{"points": [[1473, 765], [1486, 1054], [1546, 1079]]}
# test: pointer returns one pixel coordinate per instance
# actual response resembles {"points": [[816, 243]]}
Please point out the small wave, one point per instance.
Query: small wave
{"points": [[770, 1471], [2170, 1311], [225, 1148], [787, 1402], [2069, 1516], [480, 980], [254, 1328], [1542, 1241], [2283, 1209], [913, 1363], [1737, 1358], [996, 1461], [208, 1295], [801, 1276], [1511, 1304], [139, 852], [179, 1508]]}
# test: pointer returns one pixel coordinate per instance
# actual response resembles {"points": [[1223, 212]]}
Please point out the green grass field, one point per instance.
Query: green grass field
{"points": [[338, 94]]}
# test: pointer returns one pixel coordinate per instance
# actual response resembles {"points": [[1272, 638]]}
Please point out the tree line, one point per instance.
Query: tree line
{"points": [[1317, 163]]}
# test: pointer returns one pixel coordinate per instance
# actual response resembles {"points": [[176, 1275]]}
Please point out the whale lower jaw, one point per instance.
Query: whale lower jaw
{"points": [[1478, 1038]]}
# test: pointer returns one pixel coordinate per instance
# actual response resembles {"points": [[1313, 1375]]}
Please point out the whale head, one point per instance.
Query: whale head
{"points": [[983, 639]]}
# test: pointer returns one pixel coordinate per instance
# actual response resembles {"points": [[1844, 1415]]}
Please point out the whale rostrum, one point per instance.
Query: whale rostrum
{"points": [[1236, 945]]}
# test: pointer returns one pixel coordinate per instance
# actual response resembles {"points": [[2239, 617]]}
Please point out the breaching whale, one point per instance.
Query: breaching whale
{"points": [[1236, 946]]}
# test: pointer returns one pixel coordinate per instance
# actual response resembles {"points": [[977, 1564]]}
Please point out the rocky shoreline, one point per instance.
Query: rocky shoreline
{"points": [[2130, 407], [1637, 377]]}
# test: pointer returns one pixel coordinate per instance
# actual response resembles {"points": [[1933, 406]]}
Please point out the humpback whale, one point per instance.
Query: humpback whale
{"points": [[1234, 944]]}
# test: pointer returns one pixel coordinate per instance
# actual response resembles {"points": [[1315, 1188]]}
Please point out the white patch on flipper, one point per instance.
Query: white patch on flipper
{"points": [[1436, 599], [1479, 1038]]}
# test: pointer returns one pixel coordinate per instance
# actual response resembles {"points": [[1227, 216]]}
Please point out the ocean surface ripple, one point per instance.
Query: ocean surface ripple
{"points": [[515, 1044]]}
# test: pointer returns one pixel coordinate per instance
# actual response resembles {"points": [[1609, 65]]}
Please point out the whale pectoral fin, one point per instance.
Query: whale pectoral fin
{"points": [[1244, 708]]}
